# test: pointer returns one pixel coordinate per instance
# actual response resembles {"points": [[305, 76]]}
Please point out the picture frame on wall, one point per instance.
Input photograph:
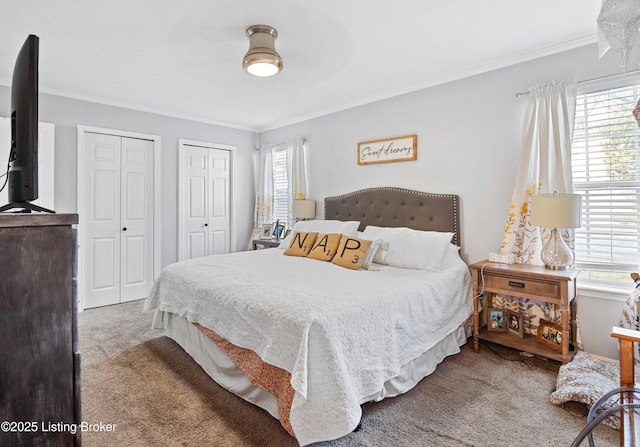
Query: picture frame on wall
{"points": [[495, 319], [404, 148], [514, 323]]}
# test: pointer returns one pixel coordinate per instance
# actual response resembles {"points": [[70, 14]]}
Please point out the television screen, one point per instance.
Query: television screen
{"points": [[23, 160], [23, 174]]}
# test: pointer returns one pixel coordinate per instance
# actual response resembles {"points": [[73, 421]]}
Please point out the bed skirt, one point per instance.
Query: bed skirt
{"points": [[228, 375]]}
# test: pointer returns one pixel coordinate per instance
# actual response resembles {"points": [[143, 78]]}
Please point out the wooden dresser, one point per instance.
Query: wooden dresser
{"points": [[39, 354]]}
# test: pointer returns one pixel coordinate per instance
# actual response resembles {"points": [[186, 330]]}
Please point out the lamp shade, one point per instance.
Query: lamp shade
{"points": [[262, 59], [556, 210], [304, 208]]}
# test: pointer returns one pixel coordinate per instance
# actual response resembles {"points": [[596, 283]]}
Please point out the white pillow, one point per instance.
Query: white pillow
{"points": [[408, 248], [451, 256], [349, 228]]}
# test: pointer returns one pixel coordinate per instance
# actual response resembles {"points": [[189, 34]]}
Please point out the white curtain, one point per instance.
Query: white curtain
{"points": [[545, 164], [296, 180], [545, 167], [296, 173], [263, 167]]}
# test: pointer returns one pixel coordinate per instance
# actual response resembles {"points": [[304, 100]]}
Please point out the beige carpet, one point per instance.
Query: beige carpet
{"points": [[156, 395]]}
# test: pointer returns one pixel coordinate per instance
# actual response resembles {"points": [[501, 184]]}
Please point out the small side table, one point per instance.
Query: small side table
{"points": [[265, 243], [526, 281]]}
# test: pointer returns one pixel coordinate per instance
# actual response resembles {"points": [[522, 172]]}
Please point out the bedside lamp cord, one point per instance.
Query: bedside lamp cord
{"points": [[480, 294]]}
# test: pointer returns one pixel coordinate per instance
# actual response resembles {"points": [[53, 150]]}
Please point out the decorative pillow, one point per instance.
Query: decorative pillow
{"points": [[408, 248], [376, 245], [301, 244], [322, 226], [325, 247], [351, 252], [372, 232]]}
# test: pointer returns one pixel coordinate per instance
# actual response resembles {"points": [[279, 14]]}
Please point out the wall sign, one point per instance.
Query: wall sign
{"points": [[388, 150]]}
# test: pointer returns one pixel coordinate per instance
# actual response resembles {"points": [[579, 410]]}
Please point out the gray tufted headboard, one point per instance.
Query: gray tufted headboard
{"points": [[397, 207]]}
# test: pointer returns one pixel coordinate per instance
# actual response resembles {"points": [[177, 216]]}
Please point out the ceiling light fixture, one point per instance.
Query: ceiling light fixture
{"points": [[618, 25], [262, 59]]}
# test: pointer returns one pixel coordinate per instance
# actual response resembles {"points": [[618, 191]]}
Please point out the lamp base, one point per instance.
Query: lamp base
{"points": [[556, 267], [555, 254]]}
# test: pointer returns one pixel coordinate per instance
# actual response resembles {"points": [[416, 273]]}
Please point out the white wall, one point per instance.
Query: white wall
{"points": [[468, 144], [67, 114]]}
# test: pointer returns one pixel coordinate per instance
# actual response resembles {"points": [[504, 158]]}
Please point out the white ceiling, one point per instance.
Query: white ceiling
{"points": [[184, 57]]}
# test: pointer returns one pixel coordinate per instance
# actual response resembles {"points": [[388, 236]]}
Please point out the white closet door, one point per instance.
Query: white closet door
{"points": [[218, 206], [205, 195], [101, 238], [194, 198], [117, 234], [136, 219]]}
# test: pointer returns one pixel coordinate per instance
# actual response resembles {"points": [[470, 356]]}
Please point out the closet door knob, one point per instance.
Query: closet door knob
{"points": [[206, 224], [124, 229]]}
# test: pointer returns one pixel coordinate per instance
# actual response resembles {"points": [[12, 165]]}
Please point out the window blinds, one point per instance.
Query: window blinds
{"points": [[605, 157], [280, 184]]}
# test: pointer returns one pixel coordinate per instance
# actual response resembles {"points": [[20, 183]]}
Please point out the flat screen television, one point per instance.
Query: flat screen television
{"points": [[22, 177]]}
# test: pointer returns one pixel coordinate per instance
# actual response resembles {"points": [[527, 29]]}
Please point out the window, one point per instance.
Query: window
{"points": [[605, 159], [280, 184]]}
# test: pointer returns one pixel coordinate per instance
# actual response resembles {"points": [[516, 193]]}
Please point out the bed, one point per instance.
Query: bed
{"points": [[317, 338]]}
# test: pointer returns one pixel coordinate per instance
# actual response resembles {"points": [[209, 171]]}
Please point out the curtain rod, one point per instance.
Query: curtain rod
{"points": [[304, 140], [610, 77]]}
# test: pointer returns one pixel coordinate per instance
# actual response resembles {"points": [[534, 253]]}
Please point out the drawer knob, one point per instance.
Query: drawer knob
{"points": [[519, 285]]}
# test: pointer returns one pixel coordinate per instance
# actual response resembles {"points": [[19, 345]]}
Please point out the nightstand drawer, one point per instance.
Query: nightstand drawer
{"points": [[522, 287]]}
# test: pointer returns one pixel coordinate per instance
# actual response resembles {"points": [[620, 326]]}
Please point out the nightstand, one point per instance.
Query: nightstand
{"points": [[265, 243], [526, 281]]}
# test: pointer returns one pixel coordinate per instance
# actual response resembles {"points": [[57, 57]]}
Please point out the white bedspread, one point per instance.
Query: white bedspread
{"points": [[340, 333]]}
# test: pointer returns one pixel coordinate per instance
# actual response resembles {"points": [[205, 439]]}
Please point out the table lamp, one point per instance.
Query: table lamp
{"points": [[556, 211], [304, 208]]}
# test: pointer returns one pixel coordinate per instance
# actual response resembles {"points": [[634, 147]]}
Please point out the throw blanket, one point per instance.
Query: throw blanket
{"points": [[340, 333], [268, 377], [586, 378]]}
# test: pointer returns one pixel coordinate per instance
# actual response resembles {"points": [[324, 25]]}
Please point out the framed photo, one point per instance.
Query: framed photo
{"points": [[403, 148], [278, 230], [255, 234], [550, 335], [514, 323], [267, 231], [495, 319]]}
